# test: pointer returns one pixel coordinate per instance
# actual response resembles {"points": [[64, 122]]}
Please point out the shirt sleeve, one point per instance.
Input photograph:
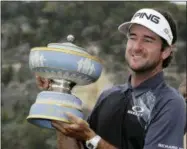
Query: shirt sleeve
{"points": [[101, 97], [166, 130], [92, 114]]}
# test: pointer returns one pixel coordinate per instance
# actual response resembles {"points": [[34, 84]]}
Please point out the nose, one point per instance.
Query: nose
{"points": [[137, 46]]}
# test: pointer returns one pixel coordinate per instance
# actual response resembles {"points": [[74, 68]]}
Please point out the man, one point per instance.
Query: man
{"points": [[144, 113], [183, 91]]}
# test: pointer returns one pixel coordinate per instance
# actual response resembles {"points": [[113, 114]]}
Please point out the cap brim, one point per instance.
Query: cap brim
{"points": [[124, 28], [159, 25]]}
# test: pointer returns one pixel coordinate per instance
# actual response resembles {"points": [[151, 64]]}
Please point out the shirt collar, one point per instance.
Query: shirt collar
{"points": [[145, 86]]}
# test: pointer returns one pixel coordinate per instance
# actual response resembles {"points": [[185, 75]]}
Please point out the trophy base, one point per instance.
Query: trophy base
{"points": [[51, 105]]}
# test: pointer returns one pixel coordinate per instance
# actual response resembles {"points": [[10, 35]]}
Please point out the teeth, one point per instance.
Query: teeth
{"points": [[136, 55]]}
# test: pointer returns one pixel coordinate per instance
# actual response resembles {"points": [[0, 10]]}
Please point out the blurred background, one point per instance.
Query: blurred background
{"points": [[25, 25]]}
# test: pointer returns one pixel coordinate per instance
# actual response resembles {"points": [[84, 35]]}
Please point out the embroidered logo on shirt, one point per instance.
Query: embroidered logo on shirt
{"points": [[147, 102], [136, 110], [165, 146], [142, 107]]}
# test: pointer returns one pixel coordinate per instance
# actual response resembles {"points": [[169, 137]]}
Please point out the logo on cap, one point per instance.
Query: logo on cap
{"points": [[167, 33], [155, 19]]}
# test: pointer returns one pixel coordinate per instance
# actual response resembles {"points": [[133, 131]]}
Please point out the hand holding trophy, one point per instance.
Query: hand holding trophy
{"points": [[65, 65]]}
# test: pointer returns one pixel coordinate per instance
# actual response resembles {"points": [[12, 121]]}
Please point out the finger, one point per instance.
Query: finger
{"points": [[39, 82], [65, 129], [73, 119], [55, 125], [59, 123], [68, 127], [62, 125], [77, 120], [46, 83], [42, 83], [39, 79], [59, 127], [36, 75], [74, 127]]}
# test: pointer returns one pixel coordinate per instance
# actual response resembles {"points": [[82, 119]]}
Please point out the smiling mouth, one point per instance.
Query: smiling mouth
{"points": [[136, 55]]}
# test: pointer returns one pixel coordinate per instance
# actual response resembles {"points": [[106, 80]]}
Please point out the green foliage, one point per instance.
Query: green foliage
{"points": [[24, 73], [39, 139], [4, 117], [7, 74], [25, 136]]}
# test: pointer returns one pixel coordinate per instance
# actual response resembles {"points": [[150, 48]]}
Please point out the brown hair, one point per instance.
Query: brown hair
{"points": [[173, 26]]}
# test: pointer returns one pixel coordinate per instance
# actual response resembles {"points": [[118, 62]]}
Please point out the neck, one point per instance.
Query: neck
{"points": [[138, 78]]}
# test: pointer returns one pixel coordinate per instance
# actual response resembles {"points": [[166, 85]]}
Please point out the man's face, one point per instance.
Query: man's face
{"points": [[143, 51]]}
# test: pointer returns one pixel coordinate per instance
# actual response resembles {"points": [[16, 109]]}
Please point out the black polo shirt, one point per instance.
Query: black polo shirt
{"points": [[150, 116]]}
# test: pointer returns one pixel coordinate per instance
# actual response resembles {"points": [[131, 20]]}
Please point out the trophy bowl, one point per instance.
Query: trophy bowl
{"points": [[66, 65]]}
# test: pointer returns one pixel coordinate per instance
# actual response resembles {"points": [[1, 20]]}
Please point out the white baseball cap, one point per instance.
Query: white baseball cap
{"points": [[151, 19]]}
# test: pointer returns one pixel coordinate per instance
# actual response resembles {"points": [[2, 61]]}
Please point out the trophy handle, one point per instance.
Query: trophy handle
{"points": [[65, 142]]}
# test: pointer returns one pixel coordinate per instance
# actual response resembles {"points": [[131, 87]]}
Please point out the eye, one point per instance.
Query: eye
{"points": [[148, 40], [131, 37]]}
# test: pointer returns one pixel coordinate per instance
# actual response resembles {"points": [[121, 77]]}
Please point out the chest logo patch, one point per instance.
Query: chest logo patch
{"points": [[137, 109]]}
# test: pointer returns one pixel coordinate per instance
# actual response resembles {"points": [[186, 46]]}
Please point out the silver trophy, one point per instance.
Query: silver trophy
{"points": [[66, 65]]}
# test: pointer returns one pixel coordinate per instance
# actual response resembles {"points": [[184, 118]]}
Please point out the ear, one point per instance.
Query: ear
{"points": [[167, 52]]}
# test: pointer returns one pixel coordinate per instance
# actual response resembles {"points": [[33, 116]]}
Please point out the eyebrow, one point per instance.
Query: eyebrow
{"points": [[145, 36], [150, 37]]}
